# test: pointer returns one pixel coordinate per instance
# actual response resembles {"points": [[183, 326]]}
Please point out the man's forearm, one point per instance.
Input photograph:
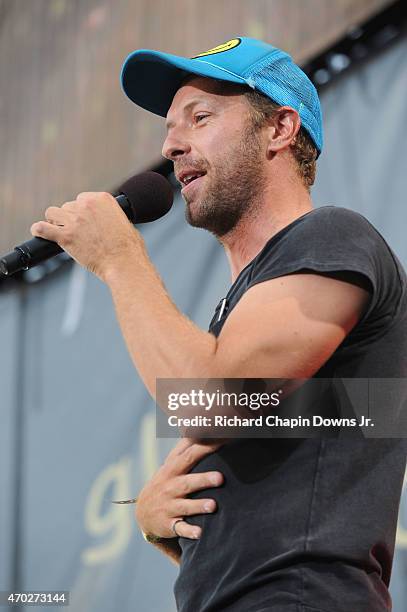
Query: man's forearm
{"points": [[162, 342]]}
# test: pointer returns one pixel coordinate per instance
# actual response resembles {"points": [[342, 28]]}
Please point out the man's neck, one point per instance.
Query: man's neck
{"points": [[248, 238]]}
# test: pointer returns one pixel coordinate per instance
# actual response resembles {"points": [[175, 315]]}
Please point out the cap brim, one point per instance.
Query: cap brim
{"points": [[151, 78]]}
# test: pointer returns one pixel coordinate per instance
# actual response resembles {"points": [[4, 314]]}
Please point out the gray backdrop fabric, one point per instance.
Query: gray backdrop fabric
{"points": [[85, 433]]}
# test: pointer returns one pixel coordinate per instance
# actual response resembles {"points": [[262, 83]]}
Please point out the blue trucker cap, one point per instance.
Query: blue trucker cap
{"points": [[151, 78]]}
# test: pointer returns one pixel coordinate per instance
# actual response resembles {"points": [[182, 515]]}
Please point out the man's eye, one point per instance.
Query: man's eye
{"points": [[199, 117]]}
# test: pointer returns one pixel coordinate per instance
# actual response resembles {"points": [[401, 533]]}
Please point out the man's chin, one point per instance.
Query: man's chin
{"points": [[194, 220], [202, 214], [193, 212]]}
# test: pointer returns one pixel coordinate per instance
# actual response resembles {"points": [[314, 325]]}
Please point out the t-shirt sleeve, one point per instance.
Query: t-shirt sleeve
{"points": [[334, 241]]}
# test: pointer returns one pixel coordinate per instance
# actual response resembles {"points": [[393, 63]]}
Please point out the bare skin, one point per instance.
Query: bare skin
{"points": [[204, 130], [163, 499], [207, 127]]}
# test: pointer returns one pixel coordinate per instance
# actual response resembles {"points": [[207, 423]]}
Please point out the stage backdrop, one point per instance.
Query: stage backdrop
{"points": [[66, 124], [86, 432]]}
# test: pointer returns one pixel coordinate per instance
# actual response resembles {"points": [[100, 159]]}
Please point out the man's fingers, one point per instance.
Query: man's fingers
{"points": [[187, 456], [55, 215], [189, 483], [186, 442], [180, 447], [43, 229], [185, 530], [191, 455], [190, 507], [70, 206]]}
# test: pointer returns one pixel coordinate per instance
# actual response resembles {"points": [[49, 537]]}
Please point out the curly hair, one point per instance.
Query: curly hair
{"points": [[303, 149]]}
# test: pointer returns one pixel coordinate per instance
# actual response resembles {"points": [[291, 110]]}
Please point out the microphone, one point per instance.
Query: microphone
{"points": [[143, 197]]}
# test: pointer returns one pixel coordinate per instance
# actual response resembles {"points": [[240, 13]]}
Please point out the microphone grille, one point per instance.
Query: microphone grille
{"points": [[150, 196]]}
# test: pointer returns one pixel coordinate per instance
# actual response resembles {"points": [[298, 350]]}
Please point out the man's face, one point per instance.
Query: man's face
{"points": [[218, 155]]}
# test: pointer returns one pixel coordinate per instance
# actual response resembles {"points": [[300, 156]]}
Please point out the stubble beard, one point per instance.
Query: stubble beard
{"points": [[235, 186]]}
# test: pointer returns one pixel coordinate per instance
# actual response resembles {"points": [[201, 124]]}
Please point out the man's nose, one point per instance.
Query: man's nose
{"points": [[175, 146]]}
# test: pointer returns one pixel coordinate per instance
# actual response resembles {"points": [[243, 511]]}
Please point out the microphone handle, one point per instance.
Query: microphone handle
{"points": [[37, 250]]}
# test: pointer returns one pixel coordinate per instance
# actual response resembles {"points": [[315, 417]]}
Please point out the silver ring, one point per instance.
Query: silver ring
{"points": [[173, 527]]}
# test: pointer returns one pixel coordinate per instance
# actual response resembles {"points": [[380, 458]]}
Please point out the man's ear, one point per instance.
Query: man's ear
{"points": [[283, 128]]}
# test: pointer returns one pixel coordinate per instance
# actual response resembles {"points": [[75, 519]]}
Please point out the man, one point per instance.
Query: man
{"points": [[300, 525]]}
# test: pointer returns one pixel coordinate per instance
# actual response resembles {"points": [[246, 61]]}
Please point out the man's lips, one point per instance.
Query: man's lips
{"points": [[188, 174], [193, 185]]}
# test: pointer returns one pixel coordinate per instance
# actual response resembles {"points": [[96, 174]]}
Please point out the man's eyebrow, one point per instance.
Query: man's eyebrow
{"points": [[194, 102]]}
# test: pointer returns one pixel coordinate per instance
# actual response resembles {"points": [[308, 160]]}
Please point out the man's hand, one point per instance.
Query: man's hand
{"points": [[93, 229], [163, 500]]}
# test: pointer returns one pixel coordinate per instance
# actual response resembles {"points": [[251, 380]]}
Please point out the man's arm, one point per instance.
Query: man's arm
{"points": [[281, 328]]}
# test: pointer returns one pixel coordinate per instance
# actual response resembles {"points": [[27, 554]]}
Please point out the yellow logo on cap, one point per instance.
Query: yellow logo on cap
{"points": [[227, 46]]}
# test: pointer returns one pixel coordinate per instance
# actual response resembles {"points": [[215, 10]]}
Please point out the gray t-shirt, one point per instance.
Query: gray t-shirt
{"points": [[308, 525]]}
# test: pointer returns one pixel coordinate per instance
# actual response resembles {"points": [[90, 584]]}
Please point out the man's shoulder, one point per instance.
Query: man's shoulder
{"points": [[329, 239], [334, 216], [322, 231], [333, 228]]}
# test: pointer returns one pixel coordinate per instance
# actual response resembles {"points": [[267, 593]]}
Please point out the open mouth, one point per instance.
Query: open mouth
{"points": [[187, 179]]}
